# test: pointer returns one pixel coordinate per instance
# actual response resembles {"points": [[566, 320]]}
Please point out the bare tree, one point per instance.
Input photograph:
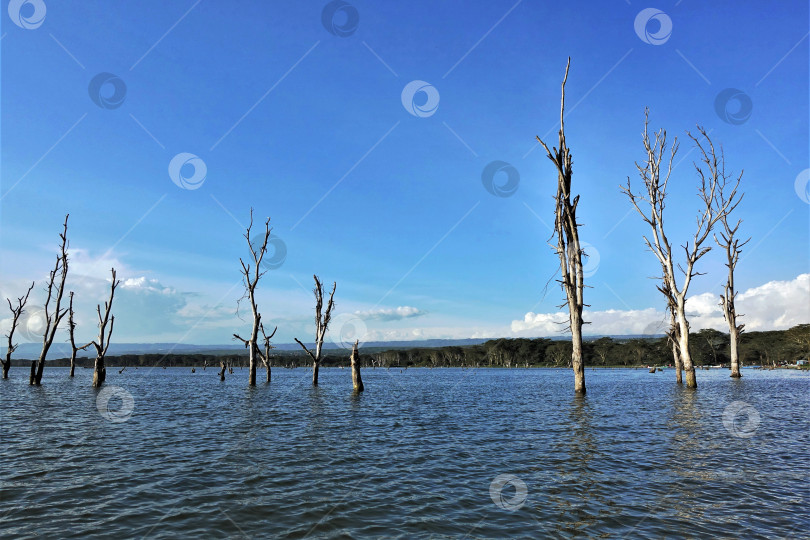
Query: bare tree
{"points": [[321, 326], [16, 313], [71, 329], [102, 342], [251, 277], [266, 356], [568, 248], [56, 289], [654, 195], [732, 245], [357, 381], [223, 367]]}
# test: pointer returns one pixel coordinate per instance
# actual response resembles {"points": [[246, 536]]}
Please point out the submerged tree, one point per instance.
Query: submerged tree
{"points": [[654, 195], [71, 330], [56, 289], [357, 381], [266, 356], [568, 247], [102, 342], [321, 326], [732, 245], [251, 276], [16, 312]]}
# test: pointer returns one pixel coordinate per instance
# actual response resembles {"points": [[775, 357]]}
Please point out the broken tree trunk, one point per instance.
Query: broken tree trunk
{"points": [[357, 381], [568, 247]]}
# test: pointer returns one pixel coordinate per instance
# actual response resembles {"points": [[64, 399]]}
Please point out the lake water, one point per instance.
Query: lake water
{"points": [[479, 453]]}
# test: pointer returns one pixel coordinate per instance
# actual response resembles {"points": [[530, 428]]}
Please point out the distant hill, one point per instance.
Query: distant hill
{"points": [[31, 350]]}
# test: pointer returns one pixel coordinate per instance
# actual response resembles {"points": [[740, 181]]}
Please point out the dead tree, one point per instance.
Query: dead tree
{"points": [[568, 247], [56, 289], [266, 356], [223, 367], [321, 326], [357, 381], [654, 196], [251, 276], [16, 313], [71, 328], [102, 342], [732, 245]]}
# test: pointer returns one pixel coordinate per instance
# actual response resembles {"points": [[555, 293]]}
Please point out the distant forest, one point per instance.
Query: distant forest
{"points": [[708, 347]]}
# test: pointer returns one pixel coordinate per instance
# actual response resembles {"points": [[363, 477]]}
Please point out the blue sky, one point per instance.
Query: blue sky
{"points": [[308, 126]]}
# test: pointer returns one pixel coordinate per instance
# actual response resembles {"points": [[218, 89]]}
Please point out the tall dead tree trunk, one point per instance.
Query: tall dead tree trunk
{"points": [[251, 276], [568, 248], [733, 246], [654, 194], [16, 313], [53, 318], [357, 381], [321, 326]]}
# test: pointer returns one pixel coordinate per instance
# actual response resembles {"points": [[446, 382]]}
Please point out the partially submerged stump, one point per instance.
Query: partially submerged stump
{"points": [[357, 381]]}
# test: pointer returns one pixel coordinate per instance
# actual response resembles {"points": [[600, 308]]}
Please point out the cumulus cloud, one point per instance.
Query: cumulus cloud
{"points": [[776, 305], [395, 314]]}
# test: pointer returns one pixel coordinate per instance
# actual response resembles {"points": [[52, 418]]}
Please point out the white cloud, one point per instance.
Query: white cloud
{"points": [[395, 314], [776, 305]]}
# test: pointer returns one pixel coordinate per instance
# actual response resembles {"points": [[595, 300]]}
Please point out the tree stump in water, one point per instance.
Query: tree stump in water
{"points": [[357, 381]]}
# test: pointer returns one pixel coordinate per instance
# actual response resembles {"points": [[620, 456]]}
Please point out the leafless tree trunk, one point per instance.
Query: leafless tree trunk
{"points": [[357, 381], [55, 292], [71, 328], [733, 246], [251, 280], [16, 313], [267, 347], [321, 326], [102, 343], [568, 247], [654, 194], [674, 338], [222, 370]]}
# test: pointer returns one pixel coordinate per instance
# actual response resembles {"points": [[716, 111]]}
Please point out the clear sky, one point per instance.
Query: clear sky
{"points": [[308, 112]]}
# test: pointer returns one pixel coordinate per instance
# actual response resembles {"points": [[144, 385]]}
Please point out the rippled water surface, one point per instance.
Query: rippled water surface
{"points": [[413, 456]]}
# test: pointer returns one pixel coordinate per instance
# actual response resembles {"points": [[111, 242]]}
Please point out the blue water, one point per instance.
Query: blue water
{"points": [[169, 453]]}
